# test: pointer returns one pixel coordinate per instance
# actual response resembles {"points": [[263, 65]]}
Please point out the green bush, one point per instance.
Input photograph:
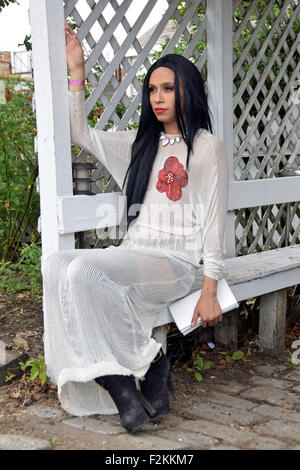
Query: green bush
{"points": [[24, 276], [19, 201], [37, 367]]}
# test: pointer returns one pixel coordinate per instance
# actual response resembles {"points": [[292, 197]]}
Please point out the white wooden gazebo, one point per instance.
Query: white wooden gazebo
{"points": [[253, 101]]}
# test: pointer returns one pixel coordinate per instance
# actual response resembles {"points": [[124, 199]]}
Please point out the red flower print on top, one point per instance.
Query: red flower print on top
{"points": [[172, 178]]}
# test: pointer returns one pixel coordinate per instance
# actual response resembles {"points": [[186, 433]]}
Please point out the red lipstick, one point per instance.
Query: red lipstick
{"points": [[159, 110]]}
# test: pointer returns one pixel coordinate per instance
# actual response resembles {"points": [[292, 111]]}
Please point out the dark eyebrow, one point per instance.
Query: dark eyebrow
{"points": [[167, 83]]}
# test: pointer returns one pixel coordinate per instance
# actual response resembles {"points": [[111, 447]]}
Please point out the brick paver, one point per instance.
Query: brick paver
{"points": [[263, 412], [17, 442]]}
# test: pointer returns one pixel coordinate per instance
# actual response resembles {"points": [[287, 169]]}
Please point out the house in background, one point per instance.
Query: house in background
{"points": [[18, 63], [5, 69], [21, 63], [14, 63], [5, 63]]}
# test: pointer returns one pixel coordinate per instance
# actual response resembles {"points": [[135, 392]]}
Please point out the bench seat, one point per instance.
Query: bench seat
{"points": [[266, 274]]}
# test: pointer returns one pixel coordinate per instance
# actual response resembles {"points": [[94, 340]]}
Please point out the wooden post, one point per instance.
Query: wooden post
{"points": [[220, 90], [53, 143], [226, 332], [272, 322], [220, 100]]}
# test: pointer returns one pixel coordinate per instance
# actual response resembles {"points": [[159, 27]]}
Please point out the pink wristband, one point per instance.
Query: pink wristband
{"points": [[76, 82]]}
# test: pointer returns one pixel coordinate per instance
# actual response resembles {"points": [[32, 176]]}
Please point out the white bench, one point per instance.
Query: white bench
{"points": [[267, 275]]}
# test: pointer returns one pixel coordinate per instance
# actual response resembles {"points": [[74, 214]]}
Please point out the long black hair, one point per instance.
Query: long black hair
{"points": [[145, 146]]}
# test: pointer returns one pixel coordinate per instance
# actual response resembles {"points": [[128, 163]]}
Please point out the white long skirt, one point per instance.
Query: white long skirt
{"points": [[100, 306]]}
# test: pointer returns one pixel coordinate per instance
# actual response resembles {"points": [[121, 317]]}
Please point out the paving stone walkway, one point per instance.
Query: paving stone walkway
{"points": [[260, 413]]}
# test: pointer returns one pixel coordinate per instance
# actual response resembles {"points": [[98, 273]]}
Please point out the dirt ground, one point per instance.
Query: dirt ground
{"points": [[21, 328]]}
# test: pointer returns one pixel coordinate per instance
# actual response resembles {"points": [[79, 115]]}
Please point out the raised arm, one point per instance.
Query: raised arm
{"points": [[113, 149]]}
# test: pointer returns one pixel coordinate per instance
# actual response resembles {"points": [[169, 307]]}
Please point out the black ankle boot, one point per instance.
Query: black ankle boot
{"points": [[157, 383], [129, 401]]}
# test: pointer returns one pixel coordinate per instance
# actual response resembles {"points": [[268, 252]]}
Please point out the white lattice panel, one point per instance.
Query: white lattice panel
{"points": [[266, 114], [265, 91], [190, 26]]}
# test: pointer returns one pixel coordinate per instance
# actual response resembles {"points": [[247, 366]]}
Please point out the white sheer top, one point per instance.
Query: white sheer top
{"points": [[184, 211]]}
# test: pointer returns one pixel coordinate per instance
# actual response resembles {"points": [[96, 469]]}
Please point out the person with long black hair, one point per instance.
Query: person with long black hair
{"points": [[100, 305]]}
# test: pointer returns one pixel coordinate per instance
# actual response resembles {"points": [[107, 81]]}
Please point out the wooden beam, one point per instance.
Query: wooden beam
{"points": [[256, 266], [80, 213], [54, 152], [266, 284], [246, 290], [252, 276], [263, 192]]}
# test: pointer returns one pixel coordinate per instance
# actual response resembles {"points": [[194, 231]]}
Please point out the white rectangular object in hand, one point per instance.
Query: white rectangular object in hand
{"points": [[182, 310]]}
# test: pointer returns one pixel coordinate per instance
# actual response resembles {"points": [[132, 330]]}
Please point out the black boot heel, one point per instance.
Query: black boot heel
{"points": [[157, 383], [146, 404]]}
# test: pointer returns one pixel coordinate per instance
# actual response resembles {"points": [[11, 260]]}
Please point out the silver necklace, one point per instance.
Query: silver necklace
{"points": [[165, 139]]}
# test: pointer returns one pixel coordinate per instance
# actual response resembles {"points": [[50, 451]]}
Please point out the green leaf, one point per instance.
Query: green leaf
{"points": [[198, 376], [207, 365], [190, 370], [26, 364], [43, 377], [34, 373], [9, 377], [237, 355], [199, 362]]}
